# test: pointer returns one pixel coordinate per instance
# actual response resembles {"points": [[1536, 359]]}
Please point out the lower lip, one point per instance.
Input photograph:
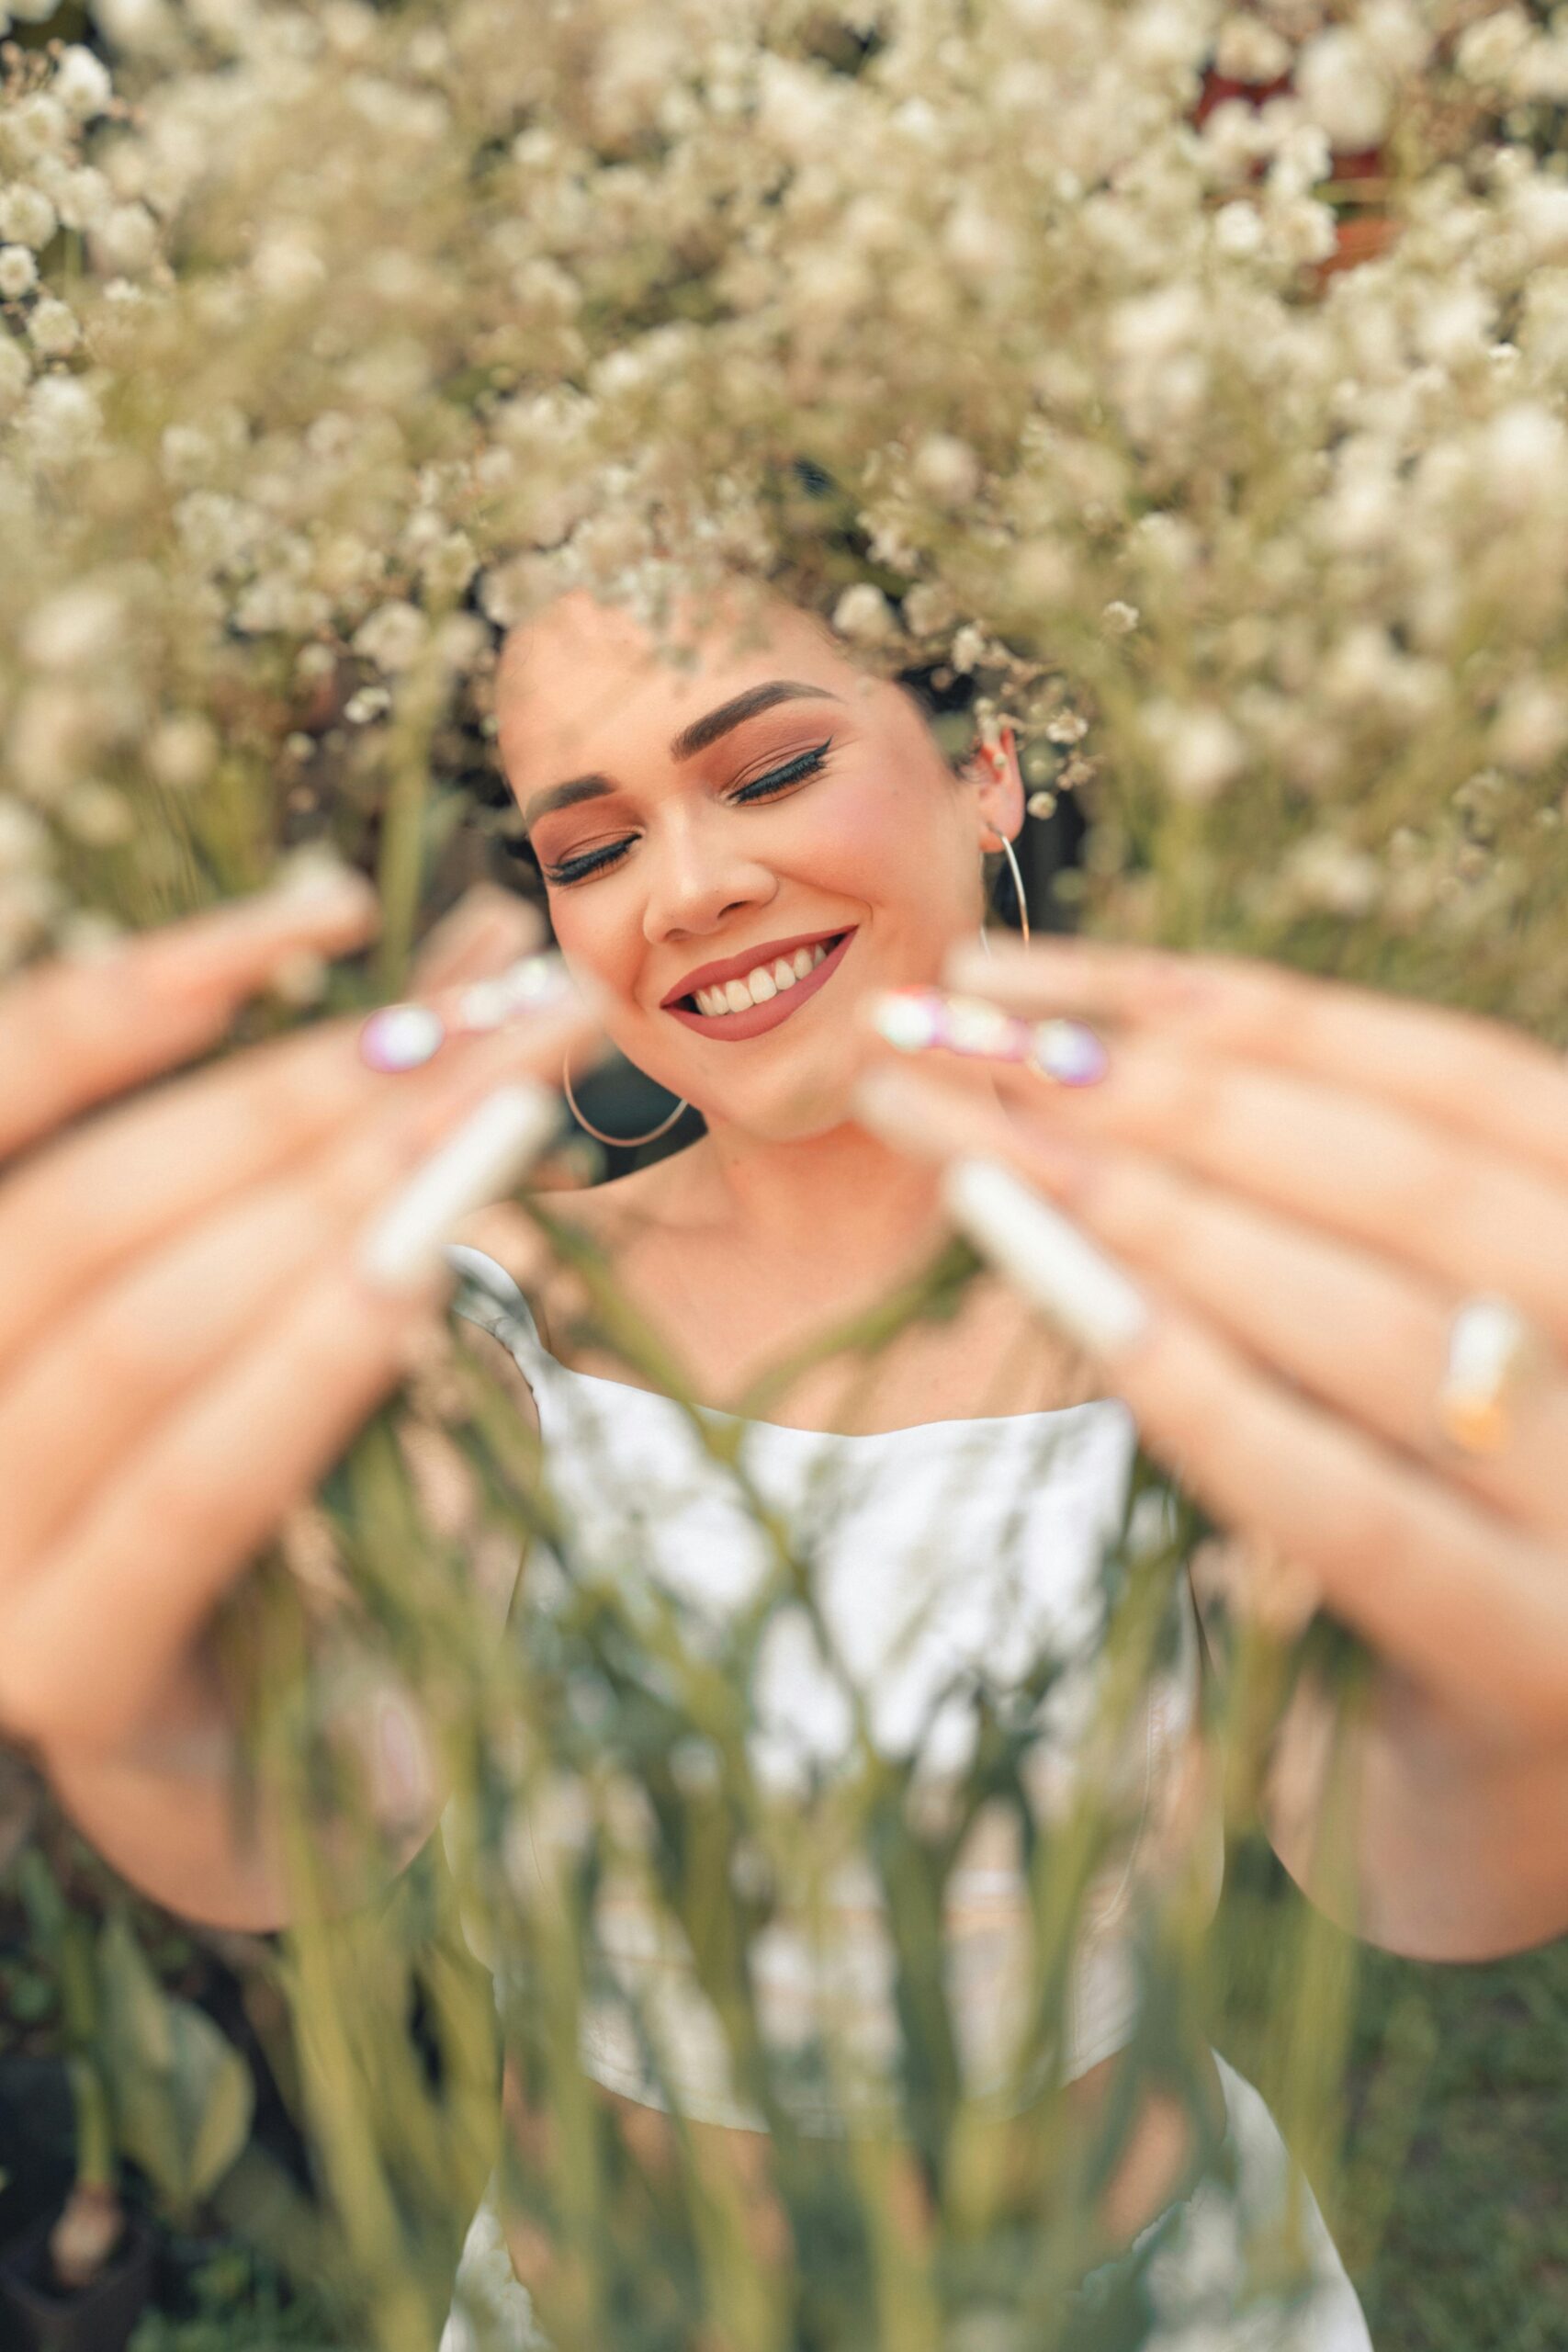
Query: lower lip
{"points": [[733, 1028]]}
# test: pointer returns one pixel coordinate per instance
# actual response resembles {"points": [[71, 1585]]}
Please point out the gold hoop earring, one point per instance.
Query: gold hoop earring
{"points": [[1018, 886], [616, 1143]]}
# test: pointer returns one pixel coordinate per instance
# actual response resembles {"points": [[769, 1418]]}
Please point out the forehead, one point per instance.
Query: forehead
{"points": [[581, 676]]}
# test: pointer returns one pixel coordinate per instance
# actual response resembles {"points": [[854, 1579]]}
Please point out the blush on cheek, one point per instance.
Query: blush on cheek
{"points": [[895, 844]]}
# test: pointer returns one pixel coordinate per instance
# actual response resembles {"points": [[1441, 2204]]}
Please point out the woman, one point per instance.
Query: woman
{"points": [[696, 830]]}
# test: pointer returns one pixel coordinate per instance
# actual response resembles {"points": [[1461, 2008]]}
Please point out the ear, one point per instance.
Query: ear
{"points": [[999, 784]]}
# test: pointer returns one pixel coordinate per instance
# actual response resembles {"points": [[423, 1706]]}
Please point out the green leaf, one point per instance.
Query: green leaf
{"points": [[183, 2093]]}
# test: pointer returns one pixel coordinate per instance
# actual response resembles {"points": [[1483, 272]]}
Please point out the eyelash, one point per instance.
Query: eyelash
{"points": [[762, 788]]}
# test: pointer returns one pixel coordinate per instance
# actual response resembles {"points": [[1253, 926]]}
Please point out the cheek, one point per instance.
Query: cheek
{"points": [[895, 843], [597, 932]]}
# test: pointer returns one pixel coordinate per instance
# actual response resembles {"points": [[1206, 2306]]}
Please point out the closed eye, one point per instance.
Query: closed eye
{"points": [[777, 781]]}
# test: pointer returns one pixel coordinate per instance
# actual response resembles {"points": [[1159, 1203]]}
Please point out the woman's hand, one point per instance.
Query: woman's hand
{"points": [[202, 1293], [1291, 1187]]}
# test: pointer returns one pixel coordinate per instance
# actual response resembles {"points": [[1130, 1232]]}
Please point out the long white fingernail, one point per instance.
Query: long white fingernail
{"points": [[1080, 1289], [475, 1166]]}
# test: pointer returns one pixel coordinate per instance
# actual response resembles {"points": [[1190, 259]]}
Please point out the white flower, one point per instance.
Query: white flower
{"points": [[1251, 50], [78, 628], [863, 613], [1120, 618], [52, 329], [125, 241], [947, 468], [134, 24], [26, 216], [1303, 231], [18, 272], [968, 647], [927, 609], [181, 751], [1342, 89], [1327, 873], [393, 636], [1531, 725], [1487, 50], [462, 642], [1541, 212], [1199, 749], [61, 419], [82, 84], [1238, 229], [1523, 449]]}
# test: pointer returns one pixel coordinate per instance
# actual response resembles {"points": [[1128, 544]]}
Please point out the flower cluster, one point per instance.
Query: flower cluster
{"points": [[332, 341]]}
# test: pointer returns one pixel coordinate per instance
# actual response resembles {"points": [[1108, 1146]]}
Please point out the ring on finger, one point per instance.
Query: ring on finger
{"points": [[1491, 1347]]}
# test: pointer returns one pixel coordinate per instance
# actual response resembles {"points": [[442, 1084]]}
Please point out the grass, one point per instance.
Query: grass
{"points": [[1453, 2211]]}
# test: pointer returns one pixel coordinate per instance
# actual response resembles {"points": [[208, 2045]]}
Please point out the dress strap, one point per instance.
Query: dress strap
{"points": [[486, 1295]]}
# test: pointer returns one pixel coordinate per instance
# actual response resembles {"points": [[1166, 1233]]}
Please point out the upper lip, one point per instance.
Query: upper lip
{"points": [[734, 967]]}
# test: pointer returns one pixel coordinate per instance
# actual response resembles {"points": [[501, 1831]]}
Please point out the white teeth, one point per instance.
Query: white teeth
{"points": [[761, 986]]}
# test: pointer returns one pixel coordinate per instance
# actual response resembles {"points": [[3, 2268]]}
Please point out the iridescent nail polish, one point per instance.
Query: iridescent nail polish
{"points": [[400, 1037], [972, 1027], [909, 1019], [534, 984], [1070, 1053]]}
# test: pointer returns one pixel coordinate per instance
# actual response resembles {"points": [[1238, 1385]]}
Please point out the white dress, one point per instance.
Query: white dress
{"points": [[947, 1545]]}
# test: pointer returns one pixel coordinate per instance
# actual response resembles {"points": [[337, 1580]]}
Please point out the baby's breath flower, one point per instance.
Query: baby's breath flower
{"points": [[181, 750], [26, 216], [18, 272], [52, 329], [61, 420], [1343, 90], [1531, 725], [77, 629], [124, 242], [863, 614], [1199, 752], [393, 636], [82, 84]]}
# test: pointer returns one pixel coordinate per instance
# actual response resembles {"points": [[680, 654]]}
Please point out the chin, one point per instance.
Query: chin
{"points": [[785, 1113]]}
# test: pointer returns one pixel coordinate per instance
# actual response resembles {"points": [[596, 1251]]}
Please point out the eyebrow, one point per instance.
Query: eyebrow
{"points": [[698, 737]]}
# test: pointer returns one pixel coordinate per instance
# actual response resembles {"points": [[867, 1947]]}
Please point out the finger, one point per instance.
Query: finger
{"points": [[94, 1635], [1474, 1608], [1367, 1171], [110, 1370], [72, 1033], [147, 1169], [1475, 1075], [1356, 1332], [486, 929]]}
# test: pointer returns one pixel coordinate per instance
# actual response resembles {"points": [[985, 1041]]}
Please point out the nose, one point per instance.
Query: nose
{"points": [[698, 874]]}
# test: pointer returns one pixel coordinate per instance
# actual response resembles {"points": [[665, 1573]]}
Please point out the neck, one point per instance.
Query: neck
{"points": [[842, 1195]]}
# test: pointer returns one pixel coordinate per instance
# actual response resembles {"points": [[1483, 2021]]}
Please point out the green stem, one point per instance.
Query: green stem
{"points": [[96, 2163]]}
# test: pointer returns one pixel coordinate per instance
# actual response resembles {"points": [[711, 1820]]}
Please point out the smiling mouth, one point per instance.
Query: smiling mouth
{"points": [[759, 999]]}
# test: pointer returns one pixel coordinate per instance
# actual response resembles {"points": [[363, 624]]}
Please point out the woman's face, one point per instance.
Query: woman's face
{"points": [[738, 851]]}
